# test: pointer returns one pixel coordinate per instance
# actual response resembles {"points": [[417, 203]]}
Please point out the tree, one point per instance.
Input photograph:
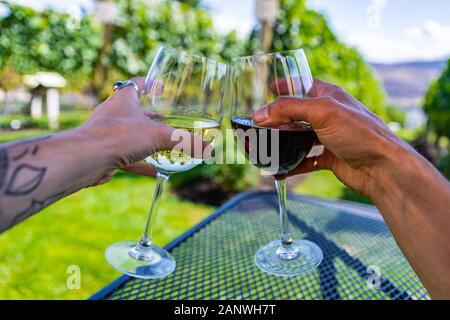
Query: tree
{"points": [[437, 104], [231, 46], [143, 26], [33, 41], [437, 107], [329, 59], [46, 40]]}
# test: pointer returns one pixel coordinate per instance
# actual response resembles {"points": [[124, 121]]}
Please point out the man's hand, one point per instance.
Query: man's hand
{"points": [[130, 134], [356, 141], [412, 196]]}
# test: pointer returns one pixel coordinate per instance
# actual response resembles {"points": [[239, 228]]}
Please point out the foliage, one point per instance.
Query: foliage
{"points": [[33, 41], [53, 41], [9, 78], [437, 103], [7, 136], [142, 27], [329, 59], [67, 120], [231, 46], [444, 166], [396, 114]]}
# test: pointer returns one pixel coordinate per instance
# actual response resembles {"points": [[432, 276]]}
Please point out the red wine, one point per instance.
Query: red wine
{"points": [[294, 143]]}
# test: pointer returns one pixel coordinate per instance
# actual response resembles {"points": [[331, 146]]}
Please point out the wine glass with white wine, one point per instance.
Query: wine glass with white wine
{"points": [[184, 91]]}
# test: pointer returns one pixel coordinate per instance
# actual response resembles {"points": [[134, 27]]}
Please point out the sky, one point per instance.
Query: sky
{"points": [[384, 31]]}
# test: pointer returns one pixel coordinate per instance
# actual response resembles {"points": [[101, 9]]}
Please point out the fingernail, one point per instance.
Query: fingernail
{"points": [[261, 114]]}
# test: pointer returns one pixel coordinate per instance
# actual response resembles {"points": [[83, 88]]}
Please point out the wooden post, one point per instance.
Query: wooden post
{"points": [[266, 36], [266, 12], [36, 106], [53, 108]]}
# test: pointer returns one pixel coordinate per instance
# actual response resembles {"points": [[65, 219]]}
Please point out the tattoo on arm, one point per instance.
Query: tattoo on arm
{"points": [[33, 177], [22, 154], [25, 177], [35, 149]]}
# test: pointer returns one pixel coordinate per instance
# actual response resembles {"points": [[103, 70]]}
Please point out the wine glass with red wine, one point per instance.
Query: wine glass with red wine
{"points": [[256, 81]]}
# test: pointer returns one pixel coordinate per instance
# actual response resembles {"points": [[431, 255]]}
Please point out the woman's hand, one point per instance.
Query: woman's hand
{"points": [[356, 141], [130, 133]]}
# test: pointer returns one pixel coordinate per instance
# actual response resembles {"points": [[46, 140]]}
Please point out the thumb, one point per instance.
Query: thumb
{"points": [[288, 109], [169, 138]]}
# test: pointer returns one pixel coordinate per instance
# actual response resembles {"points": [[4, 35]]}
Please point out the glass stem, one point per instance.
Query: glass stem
{"points": [[286, 239], [286, 251], [146, 239]]}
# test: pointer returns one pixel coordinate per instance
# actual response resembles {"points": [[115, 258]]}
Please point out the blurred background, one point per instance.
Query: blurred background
{"points": [[59, 59]]}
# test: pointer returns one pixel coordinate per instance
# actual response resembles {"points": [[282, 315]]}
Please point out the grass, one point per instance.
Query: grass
{"points": [[6, 136], [35, 255], [325, 185]]}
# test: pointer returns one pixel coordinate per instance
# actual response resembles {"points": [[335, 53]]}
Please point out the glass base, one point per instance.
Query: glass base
{"points": [[301, 256], [135, 260]]}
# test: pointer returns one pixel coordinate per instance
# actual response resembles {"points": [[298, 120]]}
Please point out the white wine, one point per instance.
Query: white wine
{"points": [[172, 161]]}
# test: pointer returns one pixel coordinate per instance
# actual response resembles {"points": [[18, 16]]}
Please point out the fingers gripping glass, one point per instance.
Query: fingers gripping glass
{"points": [[255, 81], [184, 91]]}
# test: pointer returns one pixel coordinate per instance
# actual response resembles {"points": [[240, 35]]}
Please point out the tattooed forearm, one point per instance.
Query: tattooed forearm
{"points": [[25, 179], [20, 177], [5, 160], [34, 172], [35, 206]]}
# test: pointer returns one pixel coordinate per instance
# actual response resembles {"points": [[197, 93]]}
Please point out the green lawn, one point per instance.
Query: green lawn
{"points": [[324, 184], [35, 255], [6, 136]]}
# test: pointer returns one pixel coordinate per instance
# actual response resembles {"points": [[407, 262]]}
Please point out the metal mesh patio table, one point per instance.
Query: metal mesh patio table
{"points": [[215, 258]]}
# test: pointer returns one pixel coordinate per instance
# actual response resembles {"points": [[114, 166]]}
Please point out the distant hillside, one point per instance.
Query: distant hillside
{"points": [[406, 83]]}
